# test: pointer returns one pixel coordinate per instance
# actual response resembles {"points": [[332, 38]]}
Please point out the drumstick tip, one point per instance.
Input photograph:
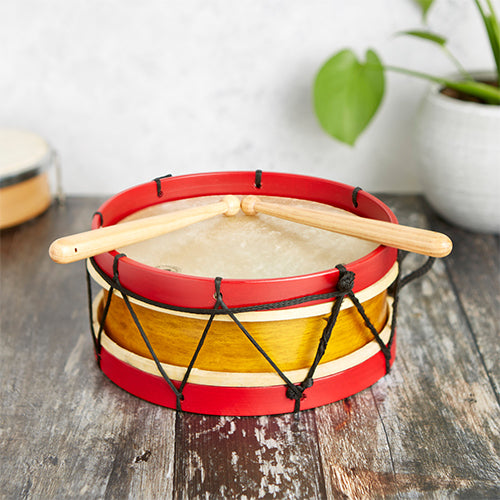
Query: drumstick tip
{"points": [[248, 204], [59, 253], [233, 204], [443, 246]]}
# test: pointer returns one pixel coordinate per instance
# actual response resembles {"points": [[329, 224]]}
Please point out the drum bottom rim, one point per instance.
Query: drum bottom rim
{"points": [[245, 401]]}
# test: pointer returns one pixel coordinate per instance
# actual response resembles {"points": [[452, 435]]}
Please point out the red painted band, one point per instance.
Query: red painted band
{"points": [[244, 401]]}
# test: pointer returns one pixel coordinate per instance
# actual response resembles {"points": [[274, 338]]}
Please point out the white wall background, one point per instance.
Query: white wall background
{"points": [[127, 91]]}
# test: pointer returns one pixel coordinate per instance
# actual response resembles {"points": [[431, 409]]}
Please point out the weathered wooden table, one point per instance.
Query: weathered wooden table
{"points": [[428, 429]]}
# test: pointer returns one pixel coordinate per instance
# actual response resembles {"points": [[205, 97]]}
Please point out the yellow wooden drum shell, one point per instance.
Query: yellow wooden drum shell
{"points": [[241, 379], [290, 343]]}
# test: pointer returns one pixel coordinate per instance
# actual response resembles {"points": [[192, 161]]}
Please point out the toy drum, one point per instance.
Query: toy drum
{"points": [[243, 315], [24, 185]]}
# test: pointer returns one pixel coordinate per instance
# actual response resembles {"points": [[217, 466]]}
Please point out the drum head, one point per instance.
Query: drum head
{"points": [[246, 247], [166, 286]]}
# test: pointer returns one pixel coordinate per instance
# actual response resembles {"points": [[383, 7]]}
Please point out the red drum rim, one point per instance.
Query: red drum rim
{"points": [[245, 401], [185, 291]]}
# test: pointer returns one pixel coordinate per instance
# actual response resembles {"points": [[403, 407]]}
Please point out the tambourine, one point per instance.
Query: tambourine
{"points": [[25, 192], [240, 312]]}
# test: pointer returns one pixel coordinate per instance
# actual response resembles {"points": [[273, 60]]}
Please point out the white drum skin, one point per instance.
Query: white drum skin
{"points": [[24, 183], [246, 247]]}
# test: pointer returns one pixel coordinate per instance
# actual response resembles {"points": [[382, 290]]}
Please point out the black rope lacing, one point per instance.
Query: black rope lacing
{"points": [[344, 286], [295, 392]]}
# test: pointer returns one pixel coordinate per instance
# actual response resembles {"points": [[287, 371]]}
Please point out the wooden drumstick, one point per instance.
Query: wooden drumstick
{"points": [[82, 245], [407, 238]]}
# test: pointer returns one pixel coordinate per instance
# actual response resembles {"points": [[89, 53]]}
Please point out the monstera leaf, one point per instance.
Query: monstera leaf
{"points": [[347, 93]]}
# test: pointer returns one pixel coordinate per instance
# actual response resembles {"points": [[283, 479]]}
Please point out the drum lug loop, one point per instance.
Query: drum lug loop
{"points": [[157, 180], [116, 277], [258, 179], [355, 192], [295, 392], [218, 293], [98, 358], [101, 218]]}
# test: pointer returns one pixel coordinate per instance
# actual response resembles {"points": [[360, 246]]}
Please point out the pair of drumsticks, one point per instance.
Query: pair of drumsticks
{"points": [[90, 243]]}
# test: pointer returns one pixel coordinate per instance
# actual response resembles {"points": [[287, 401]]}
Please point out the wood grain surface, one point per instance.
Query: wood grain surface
{"points": [[430, 429]]}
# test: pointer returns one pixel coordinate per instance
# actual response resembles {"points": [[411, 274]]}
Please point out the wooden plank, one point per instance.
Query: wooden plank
{"points": [[474, 271], [66, 430], [263, 457], [355, 456]]}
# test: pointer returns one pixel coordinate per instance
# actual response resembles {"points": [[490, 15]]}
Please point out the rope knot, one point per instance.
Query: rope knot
{"points": [[308, 382], [296, 392], [345, 283], [291, 393]]}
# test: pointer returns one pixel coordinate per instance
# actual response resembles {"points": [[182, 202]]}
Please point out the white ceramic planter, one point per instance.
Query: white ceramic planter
{"points": [[458, 151]]}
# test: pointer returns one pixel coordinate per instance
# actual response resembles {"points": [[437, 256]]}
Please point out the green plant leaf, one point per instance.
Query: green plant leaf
{"points": [[490, 21], [347, 93], [426, 35], [494, 36], [425, 5]]}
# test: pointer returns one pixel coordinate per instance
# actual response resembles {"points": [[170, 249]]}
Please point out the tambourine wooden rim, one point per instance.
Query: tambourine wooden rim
{"points": [[195, 292], [26, 174], [24, 181]]}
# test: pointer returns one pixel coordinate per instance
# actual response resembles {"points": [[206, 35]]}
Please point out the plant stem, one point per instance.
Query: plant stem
{"points": [[488, 93]]}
